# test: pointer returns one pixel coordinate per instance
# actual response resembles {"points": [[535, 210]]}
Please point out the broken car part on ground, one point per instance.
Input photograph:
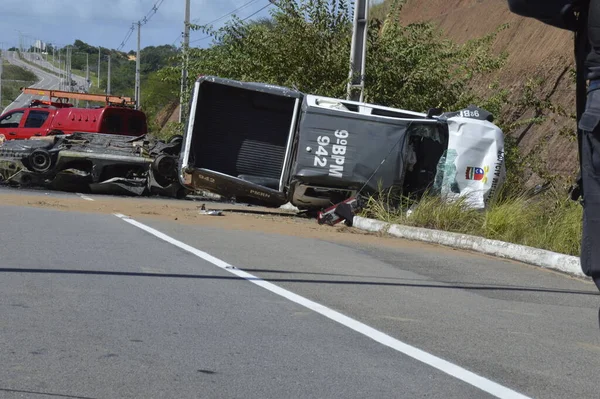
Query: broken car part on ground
{"points": [[94, 163], [272, 145]]}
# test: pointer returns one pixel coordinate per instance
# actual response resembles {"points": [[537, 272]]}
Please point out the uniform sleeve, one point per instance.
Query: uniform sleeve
{"points": [[550, 12], [594, 23]]}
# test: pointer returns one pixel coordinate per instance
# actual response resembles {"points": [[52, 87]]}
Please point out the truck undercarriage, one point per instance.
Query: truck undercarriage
{"points": [[94, 163]]}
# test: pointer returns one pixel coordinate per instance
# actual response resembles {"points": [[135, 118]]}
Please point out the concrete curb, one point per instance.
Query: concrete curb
{"points": [[534, 256]]}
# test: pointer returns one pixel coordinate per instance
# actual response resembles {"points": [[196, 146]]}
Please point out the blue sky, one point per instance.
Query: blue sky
{"points": [[106, 22]]}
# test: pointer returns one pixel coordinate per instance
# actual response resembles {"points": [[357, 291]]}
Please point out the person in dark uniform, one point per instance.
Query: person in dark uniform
{"points": [[582, 17]]}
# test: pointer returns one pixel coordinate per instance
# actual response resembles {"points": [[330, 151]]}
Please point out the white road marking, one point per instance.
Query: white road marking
{"points": [[454, 370], [85, 197]]}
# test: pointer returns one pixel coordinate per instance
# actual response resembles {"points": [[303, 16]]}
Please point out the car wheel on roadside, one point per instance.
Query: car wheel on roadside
{"points": [[40, 160]]}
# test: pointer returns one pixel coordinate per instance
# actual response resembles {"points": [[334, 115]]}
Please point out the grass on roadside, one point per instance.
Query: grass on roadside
{"points": [[25, 60], [13, 78], [547, 220]]}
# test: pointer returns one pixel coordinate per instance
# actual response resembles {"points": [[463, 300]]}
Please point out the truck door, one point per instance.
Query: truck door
{"points": [[35, 124], [10, 124]]}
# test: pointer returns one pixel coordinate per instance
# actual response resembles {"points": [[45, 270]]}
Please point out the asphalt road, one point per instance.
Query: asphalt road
{"points": [[94, 306], [46, 81], [39, 60]]}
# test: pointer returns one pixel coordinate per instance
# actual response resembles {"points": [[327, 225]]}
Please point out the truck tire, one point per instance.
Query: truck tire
{"points": [[165, 166], [182, 193], [176, 138], [40, 161]]}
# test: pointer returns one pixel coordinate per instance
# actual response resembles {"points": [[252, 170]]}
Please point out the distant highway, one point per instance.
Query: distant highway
{"points": [[46, 80], [36, 58]]}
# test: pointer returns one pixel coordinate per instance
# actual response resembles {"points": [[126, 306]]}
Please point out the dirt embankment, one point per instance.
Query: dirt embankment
{"points": [[534, 50]]}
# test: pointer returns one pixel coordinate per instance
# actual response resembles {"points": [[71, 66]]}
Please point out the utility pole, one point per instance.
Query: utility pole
{"points": [[1, 70], [69, 54], [60, 71], [66, 87], [66, 70], [99, 66], [63, 67], [184, 71], [108, 81], [358, 51], [70, 68], [87, 77], [87, 73], [138, 99]]}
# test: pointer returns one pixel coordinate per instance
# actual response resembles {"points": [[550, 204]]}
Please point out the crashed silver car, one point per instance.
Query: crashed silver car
{"points": [[272, 145], [94, 163]]}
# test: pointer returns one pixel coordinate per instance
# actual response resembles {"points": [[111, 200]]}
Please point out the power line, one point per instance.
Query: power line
{"points": [[141, 22], [221, 17], [127, 36], [229, 13], [248, 17]]}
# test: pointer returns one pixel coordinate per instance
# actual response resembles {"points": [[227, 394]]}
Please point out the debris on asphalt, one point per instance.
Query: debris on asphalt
{"points": [[289, 207], [344, 211], [210, 212]]}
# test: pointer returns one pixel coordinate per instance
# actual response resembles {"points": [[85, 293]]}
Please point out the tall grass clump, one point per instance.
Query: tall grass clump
{"points": [[545, 221]]}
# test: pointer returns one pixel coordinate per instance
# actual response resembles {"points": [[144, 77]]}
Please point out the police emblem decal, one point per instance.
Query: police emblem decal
{"points": [[478, 174]]}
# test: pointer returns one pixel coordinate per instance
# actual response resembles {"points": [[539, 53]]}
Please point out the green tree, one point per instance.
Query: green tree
{"points": [[159, 100], [306, 45], [154, 58]]}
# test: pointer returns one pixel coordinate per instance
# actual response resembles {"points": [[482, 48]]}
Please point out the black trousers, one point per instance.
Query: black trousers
{"points": [[590, 174]]}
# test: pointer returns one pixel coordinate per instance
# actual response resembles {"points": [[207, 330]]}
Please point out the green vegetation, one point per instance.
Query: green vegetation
{"points": [[13, 78], [122, 82], [306, 44], [547, 220], [157, 95]]}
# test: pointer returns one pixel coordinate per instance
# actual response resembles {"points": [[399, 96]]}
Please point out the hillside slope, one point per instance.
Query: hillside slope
{"points": [[534, 51]]}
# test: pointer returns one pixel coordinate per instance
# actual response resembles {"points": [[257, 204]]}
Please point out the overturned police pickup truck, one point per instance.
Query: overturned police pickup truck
{"points": [[94, 163], [271, 145]]}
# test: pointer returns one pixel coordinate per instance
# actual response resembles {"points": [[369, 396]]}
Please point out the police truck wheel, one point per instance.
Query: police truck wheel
{"points": [[176, 138]]}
